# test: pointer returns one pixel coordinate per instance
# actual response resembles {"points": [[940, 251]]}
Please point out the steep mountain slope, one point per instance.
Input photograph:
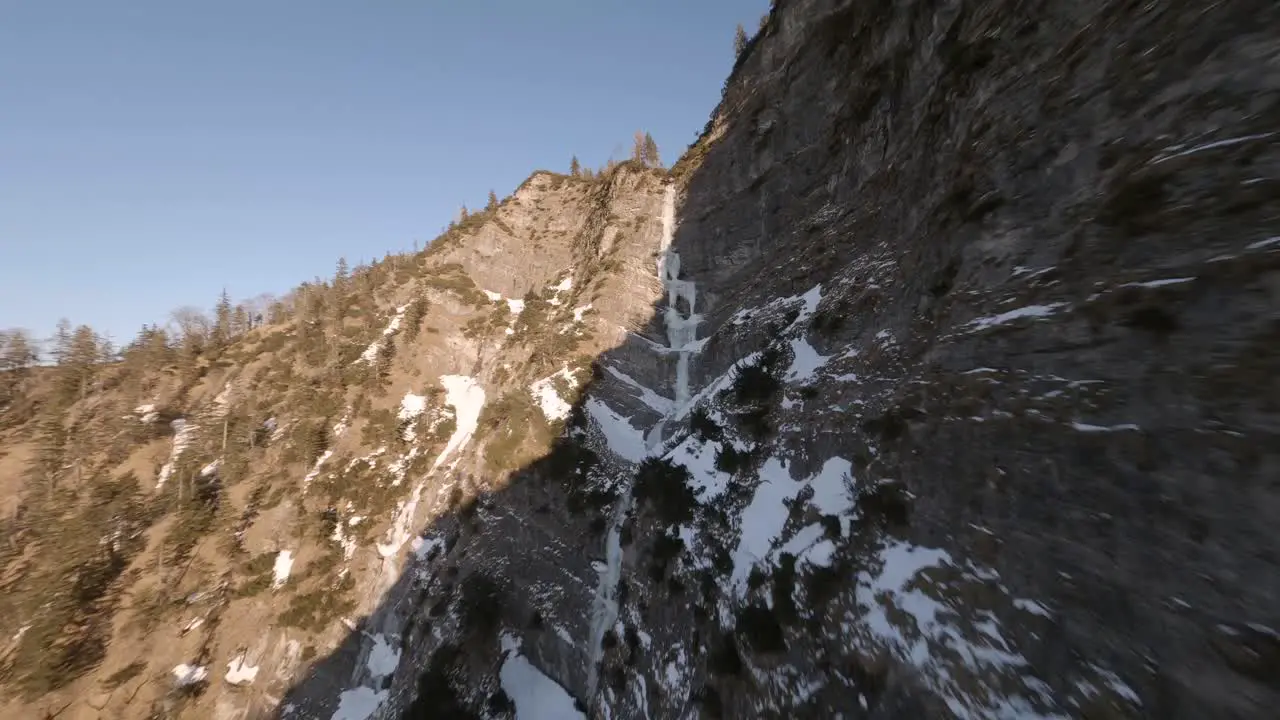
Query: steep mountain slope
{"points": [[959, 403], [205, 526], [937, 379]]}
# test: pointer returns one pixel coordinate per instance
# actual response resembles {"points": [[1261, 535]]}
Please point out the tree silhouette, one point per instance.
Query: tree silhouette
{"points": [[650, 152], [739, 41]]}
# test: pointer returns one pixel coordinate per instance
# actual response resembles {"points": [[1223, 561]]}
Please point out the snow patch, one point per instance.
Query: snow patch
{"points": [[185, 675], [807, 361], [621, 436], [647, 396], [536, 696], [383, 659], [283, 566], [466, 397], [764, 518], [544, 391], [359, 703], [240, 672], [147, 414]]}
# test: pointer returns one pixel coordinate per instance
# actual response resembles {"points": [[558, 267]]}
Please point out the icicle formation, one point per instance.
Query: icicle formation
{"points": [[682, 330]]}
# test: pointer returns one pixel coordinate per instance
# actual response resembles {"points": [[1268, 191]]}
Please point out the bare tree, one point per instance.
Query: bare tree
{"points": [[190, 323], [257, 308]]}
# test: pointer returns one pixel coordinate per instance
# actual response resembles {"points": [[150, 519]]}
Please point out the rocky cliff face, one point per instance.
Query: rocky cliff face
{"points": [[935, 380], [958, 402]]}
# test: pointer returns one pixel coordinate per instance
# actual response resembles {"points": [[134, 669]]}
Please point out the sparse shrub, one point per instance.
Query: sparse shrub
{"points": [[831, 527], [454, 278], [758, 626], [821, 584], [664, 487], [730, 459], [665, 549], [758, 382], [709, 699], [499, 703], [721, 560], [701, 423], [124, 674], [784, 588], [754, 390], [632, 638], [724, 658], [316, 609], [886, 502], [516, 430], [481, 604], [436, 696]]}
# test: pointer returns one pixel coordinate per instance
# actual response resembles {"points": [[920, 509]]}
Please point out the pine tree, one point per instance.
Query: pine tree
{"points": [[637, 149], [463, 214], [240, 321], [341, 275], [17, 353], [80, 363], [739, 41], [106, 350], [222, 320], [575, 168], [491, 205], [651, 157], [61, 341]]}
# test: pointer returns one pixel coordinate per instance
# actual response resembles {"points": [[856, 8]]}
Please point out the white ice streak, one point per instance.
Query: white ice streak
{"points": [[466, 397], [1030, 311], [183, 434], [371, 353], [283, 566]]}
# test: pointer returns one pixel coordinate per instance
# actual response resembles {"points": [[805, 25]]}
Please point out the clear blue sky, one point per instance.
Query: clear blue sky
{"points": [[153, 152]]}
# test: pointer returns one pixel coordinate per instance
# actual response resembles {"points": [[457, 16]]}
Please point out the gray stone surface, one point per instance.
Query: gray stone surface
{"points": [[1045, 240]]}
